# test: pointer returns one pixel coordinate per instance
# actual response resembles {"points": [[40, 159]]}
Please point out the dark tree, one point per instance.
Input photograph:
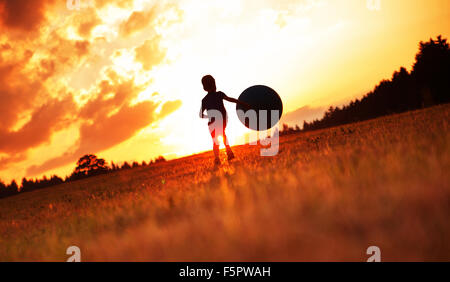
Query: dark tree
{"points": [[125, 166], [431, 71], [13, 186], [27, 185], [55, 180], [89, 165], [2, 189], [10, 189], [114, 167], [160, 159]]}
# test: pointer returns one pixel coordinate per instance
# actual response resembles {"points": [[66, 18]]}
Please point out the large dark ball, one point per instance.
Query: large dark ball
{"points": [[262, 100]]}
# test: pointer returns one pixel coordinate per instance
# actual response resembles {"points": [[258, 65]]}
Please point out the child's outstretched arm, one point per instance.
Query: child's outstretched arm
{"points": [[232, 100]]}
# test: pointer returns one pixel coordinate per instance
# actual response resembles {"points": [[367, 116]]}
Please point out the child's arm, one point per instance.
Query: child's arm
{"points": [[201, 112], [232, 100]]}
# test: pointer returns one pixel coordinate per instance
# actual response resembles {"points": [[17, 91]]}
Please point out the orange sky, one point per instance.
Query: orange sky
{"points": [[121, 79]]}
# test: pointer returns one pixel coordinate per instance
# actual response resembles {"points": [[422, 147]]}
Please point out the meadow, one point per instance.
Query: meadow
{"points": [[327, 196]]}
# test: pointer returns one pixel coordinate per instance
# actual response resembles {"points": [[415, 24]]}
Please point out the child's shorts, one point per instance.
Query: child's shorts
{"points": [[217, 128]]}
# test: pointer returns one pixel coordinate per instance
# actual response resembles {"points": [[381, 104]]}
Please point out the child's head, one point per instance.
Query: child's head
{"points": [[209, 84]]}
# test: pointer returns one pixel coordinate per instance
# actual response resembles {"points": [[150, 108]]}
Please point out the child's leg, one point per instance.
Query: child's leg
{"points": [[227, 146], [215, 147], [225, 141]]}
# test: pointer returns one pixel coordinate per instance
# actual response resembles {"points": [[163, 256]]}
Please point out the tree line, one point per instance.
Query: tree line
{"points": [[426, 85], [87, 166]]}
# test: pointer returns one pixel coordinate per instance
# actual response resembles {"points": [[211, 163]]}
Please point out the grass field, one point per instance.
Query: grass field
{"points": [[327, 196]]}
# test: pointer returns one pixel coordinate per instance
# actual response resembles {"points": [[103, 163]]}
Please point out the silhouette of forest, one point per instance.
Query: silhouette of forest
{"points": [[87, 166], [426, 85]]}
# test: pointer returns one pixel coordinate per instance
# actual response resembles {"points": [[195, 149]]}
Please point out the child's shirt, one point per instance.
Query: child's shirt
{"points": [[214, 101]]}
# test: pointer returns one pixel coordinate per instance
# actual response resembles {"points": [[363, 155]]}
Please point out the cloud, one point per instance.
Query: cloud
{"points": [[109, 119], [44, 121], [18, 91], [137, 21], [126, 4], [104, 133], [169, 107], [5, 161], [23, 15], [58, 56], [23, 89], [66, 51], [86, 22], [107, 132], [150, 53]]}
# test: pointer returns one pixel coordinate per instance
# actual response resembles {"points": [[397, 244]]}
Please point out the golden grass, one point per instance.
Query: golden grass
{"points": [[327, 196]]}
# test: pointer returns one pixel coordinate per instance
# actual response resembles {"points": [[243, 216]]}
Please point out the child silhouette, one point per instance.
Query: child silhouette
{"points": [[217, 115]]}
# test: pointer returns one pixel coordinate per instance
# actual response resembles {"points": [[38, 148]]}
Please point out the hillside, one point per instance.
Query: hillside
{"points": [[327, 195]]}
